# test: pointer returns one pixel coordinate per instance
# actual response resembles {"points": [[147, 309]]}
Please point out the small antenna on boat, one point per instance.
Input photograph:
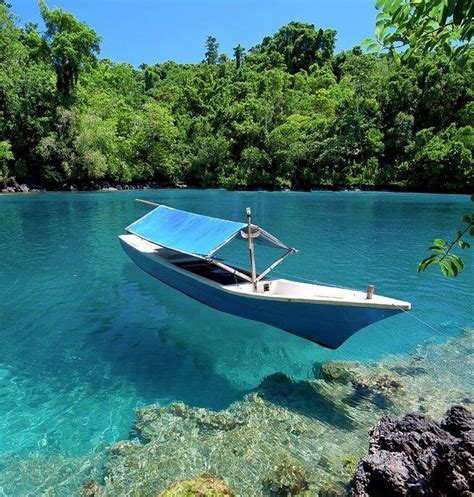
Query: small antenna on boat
{"points": [[251, 249]]}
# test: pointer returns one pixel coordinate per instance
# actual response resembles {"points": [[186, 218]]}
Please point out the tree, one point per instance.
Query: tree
{"points": [[423, 26], [292, 114], [212, 50], [287, 149], [155, 137], [72, 45], [239, 52], [301, 45], [6, 156], [26, 96], [444, 158]]}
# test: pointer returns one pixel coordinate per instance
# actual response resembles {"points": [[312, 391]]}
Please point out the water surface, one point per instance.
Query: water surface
{"points": [[86, 337]]}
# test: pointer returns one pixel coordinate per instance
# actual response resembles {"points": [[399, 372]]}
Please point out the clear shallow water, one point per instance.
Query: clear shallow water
{"points": [[86, 337]]}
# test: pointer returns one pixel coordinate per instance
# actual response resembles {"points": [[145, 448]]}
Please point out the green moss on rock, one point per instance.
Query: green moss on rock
{"points": [[203, 486]]}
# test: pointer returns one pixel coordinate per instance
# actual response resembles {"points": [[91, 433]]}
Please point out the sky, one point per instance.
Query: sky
{"points": [[152, 31]]}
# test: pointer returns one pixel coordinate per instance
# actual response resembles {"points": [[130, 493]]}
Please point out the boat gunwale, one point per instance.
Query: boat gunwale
{"points": [[400, 306]]}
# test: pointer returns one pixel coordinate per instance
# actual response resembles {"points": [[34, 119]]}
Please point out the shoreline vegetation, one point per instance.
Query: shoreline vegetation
{"points": [[288, 113]]}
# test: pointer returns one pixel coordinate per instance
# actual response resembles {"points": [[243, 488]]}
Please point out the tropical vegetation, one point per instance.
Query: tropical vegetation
{"points": [[288, 112]]}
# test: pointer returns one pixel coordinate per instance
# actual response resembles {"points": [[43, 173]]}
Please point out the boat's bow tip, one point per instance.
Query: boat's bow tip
{"points": [[402, 306]]}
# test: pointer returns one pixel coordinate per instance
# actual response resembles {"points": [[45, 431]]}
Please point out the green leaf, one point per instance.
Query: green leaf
{"points": [[425, 263], [458, 12], [447, 268], [464, 245], [467, 218], [445, 13], [440, 243], [395, 55], [367, 42], [447, 50], [444, 269], [457, 261], [382, 16]]}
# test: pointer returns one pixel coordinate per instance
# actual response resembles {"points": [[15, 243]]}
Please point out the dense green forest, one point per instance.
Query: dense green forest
{"points": [[289, 112]]}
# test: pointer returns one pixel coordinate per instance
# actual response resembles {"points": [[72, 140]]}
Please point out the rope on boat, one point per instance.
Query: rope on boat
{"points": [[416, 318]]}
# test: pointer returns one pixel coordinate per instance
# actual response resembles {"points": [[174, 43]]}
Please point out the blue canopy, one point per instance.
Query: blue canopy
{"points": [[193, 233]]}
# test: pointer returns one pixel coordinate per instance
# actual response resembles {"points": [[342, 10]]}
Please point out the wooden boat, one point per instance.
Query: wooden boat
{"points": [[179, 248]]}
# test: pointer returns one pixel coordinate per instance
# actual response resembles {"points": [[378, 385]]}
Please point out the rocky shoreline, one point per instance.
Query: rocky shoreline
{"points": [[10, 185], [307, 437], [418, 457]]}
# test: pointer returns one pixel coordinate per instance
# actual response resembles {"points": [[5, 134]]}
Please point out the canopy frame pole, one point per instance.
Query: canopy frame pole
{"points": [[147, 202], [275, 264], [251, 249], [229, 269]]}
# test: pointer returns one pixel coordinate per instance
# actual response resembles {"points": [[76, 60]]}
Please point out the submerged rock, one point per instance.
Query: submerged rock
{"points": [[337, 371], [288, 478], [320, 424], [204, 486], [417, 457], [90, 488], [203, 419]]}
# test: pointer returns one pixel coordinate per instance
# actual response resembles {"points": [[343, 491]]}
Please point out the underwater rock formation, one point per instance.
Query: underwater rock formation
{"points": [[319, 424], [288, 478], [418, 457], [199, 487], [90, 488]]}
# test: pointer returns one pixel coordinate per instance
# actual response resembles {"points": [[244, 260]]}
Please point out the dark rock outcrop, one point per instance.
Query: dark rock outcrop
{"points": [[418, 457]]}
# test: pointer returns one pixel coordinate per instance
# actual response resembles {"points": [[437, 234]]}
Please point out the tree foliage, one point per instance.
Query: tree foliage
{"points": [[212, 50], [286, 113], [72, 45], [421, 26]]}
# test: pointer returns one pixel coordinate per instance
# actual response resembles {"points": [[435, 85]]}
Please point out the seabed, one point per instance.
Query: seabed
{"points": [[317, 428], [312, 431]]}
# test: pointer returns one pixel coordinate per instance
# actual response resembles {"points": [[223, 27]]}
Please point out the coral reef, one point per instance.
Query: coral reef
{"points": [[418, 457], [292, 436]]}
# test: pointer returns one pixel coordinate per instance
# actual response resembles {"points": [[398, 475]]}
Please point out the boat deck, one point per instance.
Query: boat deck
{"points": [[209, 271]]}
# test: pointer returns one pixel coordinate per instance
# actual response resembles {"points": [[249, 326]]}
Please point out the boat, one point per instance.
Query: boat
{"points": [[180, 249]]}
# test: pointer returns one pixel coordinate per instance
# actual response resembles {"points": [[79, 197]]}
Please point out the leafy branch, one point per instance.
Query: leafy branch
{"points": [[449, 263], [423, 26]]}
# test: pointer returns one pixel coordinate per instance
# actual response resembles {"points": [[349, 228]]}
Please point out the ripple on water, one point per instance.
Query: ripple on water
{"points": [[86, 338]]}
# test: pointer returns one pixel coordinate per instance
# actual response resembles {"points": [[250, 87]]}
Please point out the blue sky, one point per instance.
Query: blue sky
{"points": [[151, 31]]}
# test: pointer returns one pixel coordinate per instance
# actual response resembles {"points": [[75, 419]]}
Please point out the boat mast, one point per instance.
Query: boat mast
{"points": [[251, 249]]}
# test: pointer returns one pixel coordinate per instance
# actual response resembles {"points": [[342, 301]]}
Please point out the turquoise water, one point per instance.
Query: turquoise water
{"points": [[86, 337]]}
